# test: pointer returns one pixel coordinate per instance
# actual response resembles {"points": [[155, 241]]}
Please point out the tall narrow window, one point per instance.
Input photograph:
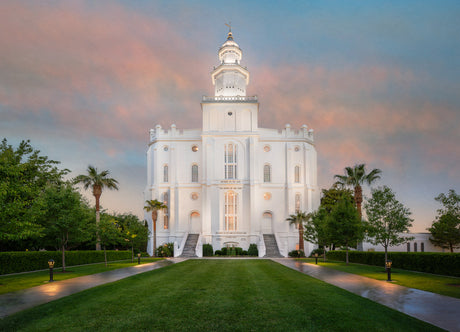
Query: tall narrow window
{"points": [[408, 246], [297, 174], [415, 246], [231, 211], [230, 161], [267, 173], [194, 173], [297, 202], [422, 247], [165, 173], [166, 211]]}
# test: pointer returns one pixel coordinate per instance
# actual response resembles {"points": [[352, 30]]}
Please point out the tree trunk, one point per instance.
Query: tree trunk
{"points": [[359, 199], [132, 253], [346, 259], [301, 244], [97, 191], [63, 259], [386, 255], [154, 220], [105, 256]]}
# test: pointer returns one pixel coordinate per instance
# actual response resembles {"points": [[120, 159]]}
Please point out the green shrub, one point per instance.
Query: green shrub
{"points": [[429, 262], [296, 253], [319, 251], [218, 253], [253, 251], [244, 253], [166, 250], [23, 261], [207, 250]]}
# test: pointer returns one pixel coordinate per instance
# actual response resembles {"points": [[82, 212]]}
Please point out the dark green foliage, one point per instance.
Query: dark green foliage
{"points": [[207, 250], [24, 174], [13, 262], [445, 230], [296, 253], [230, 251], [253, 251], [319, 251], [166, 250], [430, 262], [218, 253]]}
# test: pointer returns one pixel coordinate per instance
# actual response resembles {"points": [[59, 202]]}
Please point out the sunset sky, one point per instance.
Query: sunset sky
{"points": [[378, 81]]}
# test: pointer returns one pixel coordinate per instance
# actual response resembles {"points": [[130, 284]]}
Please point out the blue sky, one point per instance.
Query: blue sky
{"points": [[377, 81]]}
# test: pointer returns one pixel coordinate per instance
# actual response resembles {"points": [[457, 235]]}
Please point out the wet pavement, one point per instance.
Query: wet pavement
{"points": [[439, 310], [11, 303]]}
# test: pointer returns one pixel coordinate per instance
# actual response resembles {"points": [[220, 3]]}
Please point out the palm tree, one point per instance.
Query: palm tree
{"points": [[298, 219], [154, 205], [97, 181], [355, 177]]}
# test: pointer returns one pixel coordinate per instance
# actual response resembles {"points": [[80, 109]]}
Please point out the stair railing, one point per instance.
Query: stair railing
{"points": [[181, 247], [199, 247], [281, 248], [262, 249]]}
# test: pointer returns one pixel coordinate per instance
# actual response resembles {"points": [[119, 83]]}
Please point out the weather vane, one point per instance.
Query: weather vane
{"points": [[229, 24]]}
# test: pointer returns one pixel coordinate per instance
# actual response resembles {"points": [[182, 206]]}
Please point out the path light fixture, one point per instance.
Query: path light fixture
{"points": [[138, 258], [51, 266], [316, 258], [388, 267]]}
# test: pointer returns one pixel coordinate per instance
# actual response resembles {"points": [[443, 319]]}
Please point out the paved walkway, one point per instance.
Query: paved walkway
{"points": [[11, 303], [439, 310]]}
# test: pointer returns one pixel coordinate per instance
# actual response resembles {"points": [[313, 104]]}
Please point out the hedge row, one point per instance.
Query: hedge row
{"points": [[23, 261], [430, 262]]}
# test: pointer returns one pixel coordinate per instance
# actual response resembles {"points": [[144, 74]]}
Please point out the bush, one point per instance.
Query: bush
{"points": [[429, 262], [207, 250], [218, 253], [23, 261], [319, 251], [166, 250], [296, 253], [253, 251]]}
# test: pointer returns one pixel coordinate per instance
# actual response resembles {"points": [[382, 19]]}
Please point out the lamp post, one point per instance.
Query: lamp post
{"points": [[51, 266], [388, 267], [138, 258], [316, 258]]}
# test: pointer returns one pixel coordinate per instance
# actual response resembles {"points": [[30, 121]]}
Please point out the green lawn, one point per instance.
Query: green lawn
{"points": [[214, 295], [20, 281], [443, 285]]}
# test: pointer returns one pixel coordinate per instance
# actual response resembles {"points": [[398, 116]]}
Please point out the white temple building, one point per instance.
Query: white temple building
{"points": [[230, 182]]}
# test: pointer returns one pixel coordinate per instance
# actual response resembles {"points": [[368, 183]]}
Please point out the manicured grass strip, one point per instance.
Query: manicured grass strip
{"points": [[443, 285], [17, 282], [215, 295]]}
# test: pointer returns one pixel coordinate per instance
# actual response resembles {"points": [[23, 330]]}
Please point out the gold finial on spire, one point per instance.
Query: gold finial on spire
{"points": [[230, 36]]}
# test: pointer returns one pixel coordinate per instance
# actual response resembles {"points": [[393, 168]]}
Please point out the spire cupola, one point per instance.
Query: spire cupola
{"points": [[230, 78]]}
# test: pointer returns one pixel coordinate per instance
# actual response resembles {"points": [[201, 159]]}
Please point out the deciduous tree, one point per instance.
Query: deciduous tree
{"points": [[388, 219]]}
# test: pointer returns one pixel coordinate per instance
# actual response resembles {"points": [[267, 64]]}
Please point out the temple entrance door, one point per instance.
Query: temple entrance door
{"points": [[267, 220], [195, 223]]}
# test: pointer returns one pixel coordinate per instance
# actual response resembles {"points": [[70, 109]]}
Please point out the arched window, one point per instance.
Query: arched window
{"points": [[267, 173], [297, 202], [194, 173], [422, 247], [166, 211], [415, 246], [408, 246], [165, 173], [230, 161], [231, 211], [297, 174]]}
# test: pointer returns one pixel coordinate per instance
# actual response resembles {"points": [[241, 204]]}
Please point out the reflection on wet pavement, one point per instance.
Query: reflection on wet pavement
{"points": [[442, 311], [11, 303]]}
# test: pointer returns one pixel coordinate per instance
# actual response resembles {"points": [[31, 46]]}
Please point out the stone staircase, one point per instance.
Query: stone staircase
{"points": [[271, 247], [190, 245]]}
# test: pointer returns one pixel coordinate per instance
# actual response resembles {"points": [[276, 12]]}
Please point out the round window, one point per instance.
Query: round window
{"points": [[267, 148], [195, 148], [165, 148], [297, 148], [194, 196], [267, 196]]}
